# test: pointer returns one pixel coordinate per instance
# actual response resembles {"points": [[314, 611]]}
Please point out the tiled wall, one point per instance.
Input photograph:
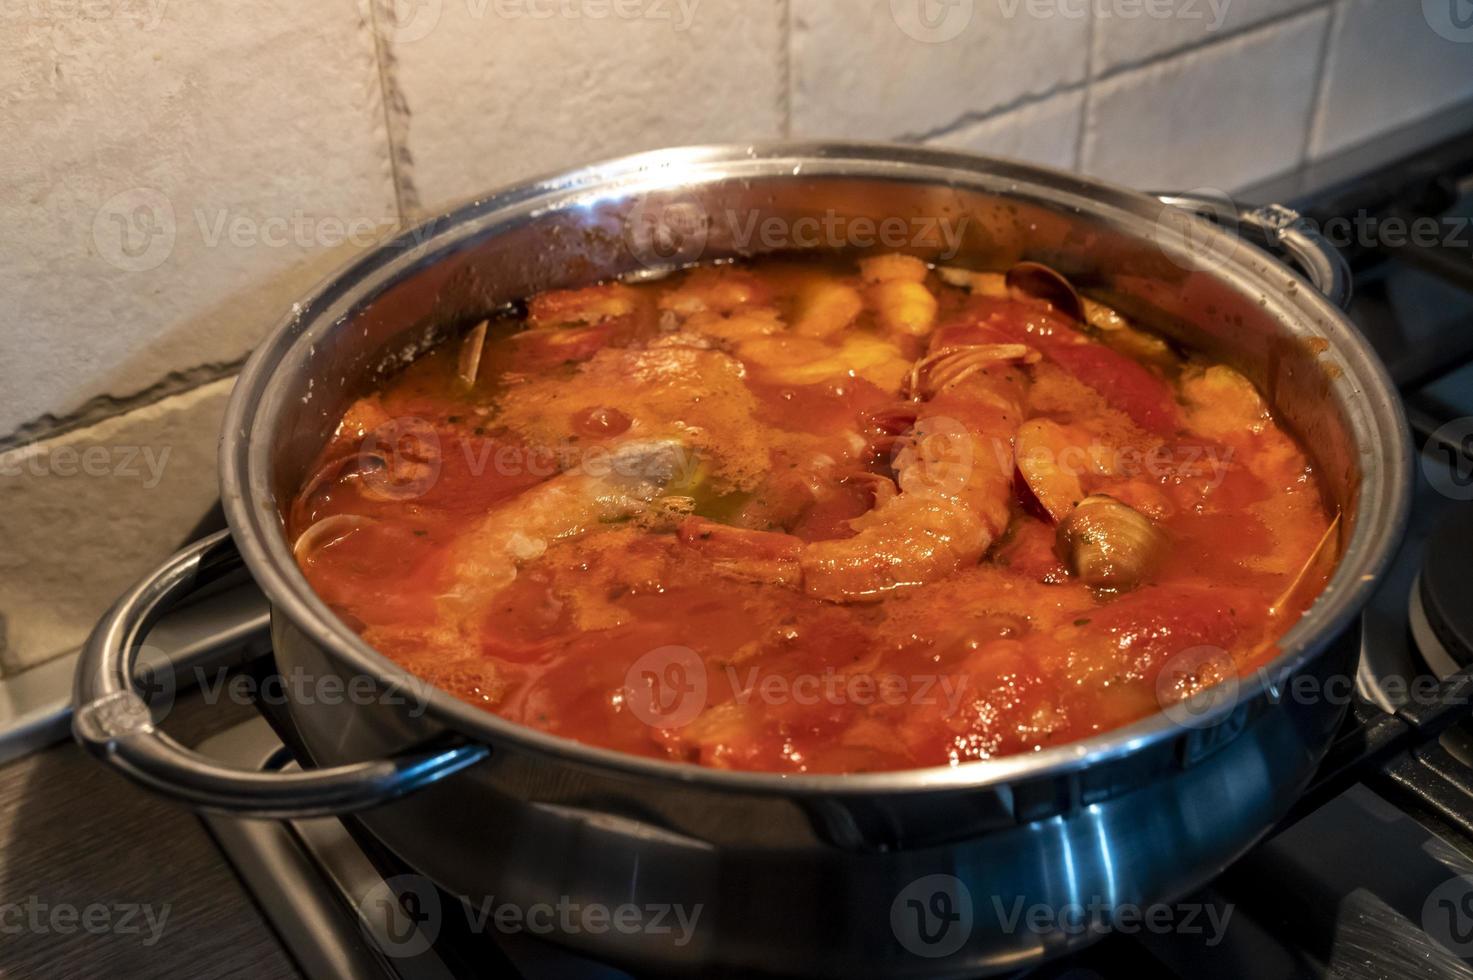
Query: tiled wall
{"points": [[174, 172]]}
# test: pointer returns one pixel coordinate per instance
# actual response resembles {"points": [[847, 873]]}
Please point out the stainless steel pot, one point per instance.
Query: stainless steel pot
{"points": [[904, 873]]}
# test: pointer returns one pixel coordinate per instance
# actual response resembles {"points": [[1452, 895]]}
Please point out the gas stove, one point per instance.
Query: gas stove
{"points": [[1370, 875]]}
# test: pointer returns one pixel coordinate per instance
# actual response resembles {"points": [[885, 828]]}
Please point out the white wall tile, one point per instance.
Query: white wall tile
{"points": [[495, 94], [1045, 132], [1219, 116], [1388, 65], [144, 142], [86, 514], [1130, 31], [871, 69]]}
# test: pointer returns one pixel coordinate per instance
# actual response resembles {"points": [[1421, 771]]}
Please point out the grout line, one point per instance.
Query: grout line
{"points": [[1093, 77], [1089, 87], [396, 117], [972, 118], [1223, 37], [1321, 83], [101, 408], [785, 67]]}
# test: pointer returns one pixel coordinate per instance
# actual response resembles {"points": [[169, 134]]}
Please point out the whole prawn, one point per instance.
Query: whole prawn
{"points": [[487, 558], [953, 464]]}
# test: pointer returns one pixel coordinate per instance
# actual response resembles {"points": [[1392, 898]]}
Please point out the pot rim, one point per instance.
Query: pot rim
{"points": [[253, 513]]}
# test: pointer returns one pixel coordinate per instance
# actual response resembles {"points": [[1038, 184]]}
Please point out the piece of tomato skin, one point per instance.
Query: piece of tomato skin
{"points": [[1123, 382]]}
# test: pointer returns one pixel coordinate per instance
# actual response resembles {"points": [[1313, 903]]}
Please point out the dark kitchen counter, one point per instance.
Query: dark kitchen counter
{"points": [[100, 879]]}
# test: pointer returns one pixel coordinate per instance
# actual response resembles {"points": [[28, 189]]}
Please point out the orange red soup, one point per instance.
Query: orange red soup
{"points": [[815, 517]]}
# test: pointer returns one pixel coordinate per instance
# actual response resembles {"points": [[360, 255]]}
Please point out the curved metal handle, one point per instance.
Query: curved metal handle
{"points": [[1281, 230], [113, 722]]}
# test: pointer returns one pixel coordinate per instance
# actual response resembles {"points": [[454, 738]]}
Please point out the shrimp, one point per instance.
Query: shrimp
{"points": [[581, 307], [826, 308], [486, 559], [723, 289], [1223, 406], [953, 464], [954, 475], [1054, 458], [897, 292]]}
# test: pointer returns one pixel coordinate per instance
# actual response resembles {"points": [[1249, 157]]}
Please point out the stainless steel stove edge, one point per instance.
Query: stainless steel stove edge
{"points": [[221, 629]]}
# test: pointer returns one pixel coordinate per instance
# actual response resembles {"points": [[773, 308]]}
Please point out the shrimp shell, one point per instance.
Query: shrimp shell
{"points": [[950, 366]]}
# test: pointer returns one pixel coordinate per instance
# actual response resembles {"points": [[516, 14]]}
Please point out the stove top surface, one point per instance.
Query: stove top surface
{"points": [[1312, 901]]}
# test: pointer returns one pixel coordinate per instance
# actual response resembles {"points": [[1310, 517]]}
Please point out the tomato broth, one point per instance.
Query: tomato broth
{"points": [[796, 516]]}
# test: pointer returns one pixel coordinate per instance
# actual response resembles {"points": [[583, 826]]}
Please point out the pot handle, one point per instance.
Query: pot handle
{"points": [[1281, 230], [112, 721]]}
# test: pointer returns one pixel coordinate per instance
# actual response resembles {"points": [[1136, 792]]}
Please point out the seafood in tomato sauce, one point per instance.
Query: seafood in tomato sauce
{"points": [[816, 516]]}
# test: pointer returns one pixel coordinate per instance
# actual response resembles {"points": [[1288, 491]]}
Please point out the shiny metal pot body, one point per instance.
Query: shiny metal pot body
{"points": [[982, 867]]}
